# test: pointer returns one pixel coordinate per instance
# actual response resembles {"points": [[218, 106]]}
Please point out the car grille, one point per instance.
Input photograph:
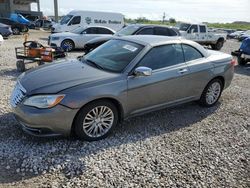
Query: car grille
{"points": [[17, 95]]}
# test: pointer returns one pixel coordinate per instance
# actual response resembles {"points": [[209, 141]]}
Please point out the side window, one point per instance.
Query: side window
{"points": [[163, 56], [191, 53], [194, 28], [75, 20], [161, 31], [202, 29], [104, 31], [91, 30], [146, 31]]}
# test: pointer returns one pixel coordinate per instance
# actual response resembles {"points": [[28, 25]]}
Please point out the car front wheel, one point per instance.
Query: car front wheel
{"points": [[211, 93], [67, 45], [16, 31], [96, 120]]}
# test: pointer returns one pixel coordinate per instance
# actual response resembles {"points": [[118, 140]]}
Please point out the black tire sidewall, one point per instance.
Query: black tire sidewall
{"points": [[18, 31], [202, 100], [20, 66], [78, 128]]}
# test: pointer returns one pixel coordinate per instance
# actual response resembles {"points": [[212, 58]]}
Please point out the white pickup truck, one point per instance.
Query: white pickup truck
{"points": [[199, 33]]}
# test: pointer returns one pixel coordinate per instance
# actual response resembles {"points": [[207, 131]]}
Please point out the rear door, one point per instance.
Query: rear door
{"points": [[202, 33], [166, 84]]}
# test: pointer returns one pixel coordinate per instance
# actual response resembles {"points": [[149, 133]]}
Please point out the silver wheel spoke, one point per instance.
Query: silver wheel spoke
{"points": [[98, 121], [213, 93]]}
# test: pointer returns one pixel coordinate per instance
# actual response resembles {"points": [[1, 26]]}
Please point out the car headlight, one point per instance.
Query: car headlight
{"points": [[55, 38], [44, 101]]}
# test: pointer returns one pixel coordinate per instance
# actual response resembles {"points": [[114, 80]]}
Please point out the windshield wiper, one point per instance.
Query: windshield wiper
{"points": [[94, 63]]}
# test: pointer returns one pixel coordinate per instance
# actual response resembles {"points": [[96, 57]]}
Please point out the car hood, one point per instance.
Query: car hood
{"points": [[59, 76], [64, 34]]}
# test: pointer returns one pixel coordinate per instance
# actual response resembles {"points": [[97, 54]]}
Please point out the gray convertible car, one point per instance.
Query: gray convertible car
{"points": [[122, 78]]}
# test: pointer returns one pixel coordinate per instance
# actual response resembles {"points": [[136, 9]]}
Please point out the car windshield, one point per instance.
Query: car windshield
{"points": [[77, 30], [113, 55], [183, 26], [66, 19], [129, 30]]}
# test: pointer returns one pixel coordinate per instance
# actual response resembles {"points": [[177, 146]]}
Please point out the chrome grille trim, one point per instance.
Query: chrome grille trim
{"points": [[17, 95]]}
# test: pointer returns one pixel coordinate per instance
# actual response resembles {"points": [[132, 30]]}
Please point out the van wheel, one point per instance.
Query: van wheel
{"points": [[67, 45], [96, 120], [211, 93], [241, 61]]}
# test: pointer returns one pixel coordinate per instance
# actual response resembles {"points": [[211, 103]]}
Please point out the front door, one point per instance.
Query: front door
{"points": [[167, 83]]}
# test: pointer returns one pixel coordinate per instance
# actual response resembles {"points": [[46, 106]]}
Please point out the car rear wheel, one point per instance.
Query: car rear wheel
{"points": [[211, 93], [96, 120], [16, 31], [67, 45]]}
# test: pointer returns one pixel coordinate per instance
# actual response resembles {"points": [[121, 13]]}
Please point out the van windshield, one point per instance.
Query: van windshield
{"points": [[66, 19]]}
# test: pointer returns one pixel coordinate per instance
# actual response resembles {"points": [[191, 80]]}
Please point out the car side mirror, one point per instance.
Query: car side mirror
{"points": [[143, 71]]}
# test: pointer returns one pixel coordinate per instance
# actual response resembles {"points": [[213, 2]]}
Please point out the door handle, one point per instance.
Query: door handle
{"points": [[182, 71]]}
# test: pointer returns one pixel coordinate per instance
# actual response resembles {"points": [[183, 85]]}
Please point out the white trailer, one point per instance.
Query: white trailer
{"points": [[78, 18]]}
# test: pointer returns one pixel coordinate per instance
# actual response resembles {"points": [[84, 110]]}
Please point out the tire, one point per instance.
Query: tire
{"points": [[218, 45], [67, 45], [86, 115], [208, 99], [25, 29], [241, 61], [16, 31], [20, 66]]}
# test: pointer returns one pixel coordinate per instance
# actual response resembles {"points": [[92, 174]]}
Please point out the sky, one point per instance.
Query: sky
{"points": [[182, 10]]}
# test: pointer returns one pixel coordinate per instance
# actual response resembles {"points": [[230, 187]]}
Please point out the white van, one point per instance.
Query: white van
{"points": [[77, 18]]}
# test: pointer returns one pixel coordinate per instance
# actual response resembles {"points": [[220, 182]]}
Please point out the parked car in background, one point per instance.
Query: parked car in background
{"points": [[78, 37], [135, 29], [78, 18], [124, 77], [244, 35], [5, 30], [41, 23], [243, 53], [199, 33], [235, 35], [1, 40], [16, 27]]}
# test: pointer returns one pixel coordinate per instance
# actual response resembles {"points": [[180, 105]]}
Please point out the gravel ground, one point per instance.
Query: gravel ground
{"points": [[184, 146]]}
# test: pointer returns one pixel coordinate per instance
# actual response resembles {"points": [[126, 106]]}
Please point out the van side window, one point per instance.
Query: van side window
{"points": [[75, 20], [191, 53]]}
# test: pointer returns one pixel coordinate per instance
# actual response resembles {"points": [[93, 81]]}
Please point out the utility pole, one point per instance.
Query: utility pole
{"points": [[56, 10], [163, 18], [38, 5]]}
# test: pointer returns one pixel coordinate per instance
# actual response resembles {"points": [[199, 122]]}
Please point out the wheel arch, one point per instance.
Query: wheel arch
{"points": [[112, 100]]}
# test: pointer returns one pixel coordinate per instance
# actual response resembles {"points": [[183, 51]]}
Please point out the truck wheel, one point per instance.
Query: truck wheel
{"points": [[218, 45], [241, 61], [15, 31], [20, 66]]}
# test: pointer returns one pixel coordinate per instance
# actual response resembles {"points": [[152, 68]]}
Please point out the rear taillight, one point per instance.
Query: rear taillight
{"points": [[233, 62]]}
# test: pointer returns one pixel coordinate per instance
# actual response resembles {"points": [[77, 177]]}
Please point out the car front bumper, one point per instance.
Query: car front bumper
{"points": [[45, 122]]}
